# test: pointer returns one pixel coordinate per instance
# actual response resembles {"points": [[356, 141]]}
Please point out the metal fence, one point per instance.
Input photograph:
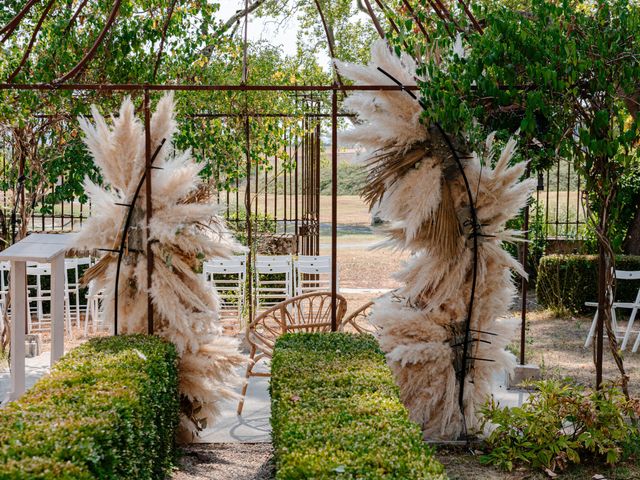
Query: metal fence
{"points": [[285, 186], [559, 206]]}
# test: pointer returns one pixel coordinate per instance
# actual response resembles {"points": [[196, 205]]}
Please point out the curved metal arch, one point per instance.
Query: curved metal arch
{"points": [[475, 233], [125, 232]]}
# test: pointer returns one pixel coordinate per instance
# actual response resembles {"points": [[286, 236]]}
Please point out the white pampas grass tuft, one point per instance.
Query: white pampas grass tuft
{"points": [[424, 197], [184, 229]]}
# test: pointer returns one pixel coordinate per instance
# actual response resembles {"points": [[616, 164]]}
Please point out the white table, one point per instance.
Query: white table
{"points": [[39, 248]]}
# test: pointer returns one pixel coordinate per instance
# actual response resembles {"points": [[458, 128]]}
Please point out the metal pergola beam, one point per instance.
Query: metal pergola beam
{"points": [[127, 87]]}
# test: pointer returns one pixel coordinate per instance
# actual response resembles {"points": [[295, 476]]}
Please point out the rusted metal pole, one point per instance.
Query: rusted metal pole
{"points": [[316, 192], [247, 210], [148, 208], [247, 138], [374, 19], [131, 87], [296, 227], [334, 207]]}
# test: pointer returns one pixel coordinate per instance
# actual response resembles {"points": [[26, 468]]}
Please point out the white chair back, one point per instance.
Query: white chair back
{"points": [[313, 274], [227, 276], [273, 279]]}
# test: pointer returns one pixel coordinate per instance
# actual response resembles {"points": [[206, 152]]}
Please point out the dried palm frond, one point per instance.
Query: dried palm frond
{"points": [[387, 167]]}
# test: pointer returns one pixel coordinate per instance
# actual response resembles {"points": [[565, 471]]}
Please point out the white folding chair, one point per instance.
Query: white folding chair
{"points": [[38, 294], [73, 267], [623, 334], [5, 268], [313, 274], [227, 276], [273, 280], [93, 312]]}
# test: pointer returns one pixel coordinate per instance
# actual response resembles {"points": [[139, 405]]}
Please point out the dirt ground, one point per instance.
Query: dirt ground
{"points": [[225, 461], [462, 465], [557, 346]]}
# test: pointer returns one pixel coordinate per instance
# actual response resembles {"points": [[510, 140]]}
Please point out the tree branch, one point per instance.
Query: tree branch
{"points": [[8, 29], [164, 37], [236, 17], [92, 51], [366, 8], [32, 40], [331, 41]]}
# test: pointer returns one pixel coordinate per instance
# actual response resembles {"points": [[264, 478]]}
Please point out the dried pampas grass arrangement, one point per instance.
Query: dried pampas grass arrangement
{"points": [[419, 190], [184, 230]]}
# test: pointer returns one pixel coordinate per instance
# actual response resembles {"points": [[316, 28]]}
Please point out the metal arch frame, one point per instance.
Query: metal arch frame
{"points": [[125, 232], [475, 233], [60, 83], [147, 88]]}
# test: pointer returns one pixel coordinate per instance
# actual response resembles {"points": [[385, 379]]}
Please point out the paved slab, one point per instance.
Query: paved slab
{"points": [[253, 426], [510, 398], [35, 368], [365, 291]]}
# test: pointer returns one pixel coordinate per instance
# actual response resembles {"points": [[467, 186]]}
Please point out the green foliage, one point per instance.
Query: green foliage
{"points": [[562, 424], [42, 127], [109, 410], [566, 282], [629, 197], [564, 74], [336, 412], [261, 223], [351, 178]]}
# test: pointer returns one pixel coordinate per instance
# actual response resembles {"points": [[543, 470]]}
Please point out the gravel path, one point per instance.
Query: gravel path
{"points": [[225, 461]]}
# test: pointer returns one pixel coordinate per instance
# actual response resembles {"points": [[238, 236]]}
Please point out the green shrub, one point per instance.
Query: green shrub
{"points": [[566, 282], [108, 410], [352, 177], [562, 424], [261, 223], [336, 414]]}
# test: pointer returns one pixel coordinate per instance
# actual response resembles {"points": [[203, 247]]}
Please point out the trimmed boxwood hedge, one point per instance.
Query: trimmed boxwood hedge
{"points": [[336, 414], [108, 410], [566, 282]]}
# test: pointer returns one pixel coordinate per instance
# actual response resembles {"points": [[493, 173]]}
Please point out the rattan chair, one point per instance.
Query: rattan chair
{"points": [[310, 312], [359, 322]]}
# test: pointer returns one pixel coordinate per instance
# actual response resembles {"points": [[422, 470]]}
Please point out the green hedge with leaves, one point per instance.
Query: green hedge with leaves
{"points": [[566, 282], [336, 414], [108, 410]]}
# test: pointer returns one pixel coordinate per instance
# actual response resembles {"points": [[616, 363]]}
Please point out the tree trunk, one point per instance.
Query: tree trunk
{"points": [[631, 245], [606, 293], [604, 311]]}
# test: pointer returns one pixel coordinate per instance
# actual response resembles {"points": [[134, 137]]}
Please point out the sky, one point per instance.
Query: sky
{"points": [[272, 30]]}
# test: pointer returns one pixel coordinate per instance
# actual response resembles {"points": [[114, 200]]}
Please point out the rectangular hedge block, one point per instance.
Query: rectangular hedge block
{"points": [[108, 410], [568, 281], [336, 413]]}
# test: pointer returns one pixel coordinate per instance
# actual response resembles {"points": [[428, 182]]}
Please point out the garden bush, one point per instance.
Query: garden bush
{"points": [[566, 282], [336, 414], [562, 424], [108, 410]]}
